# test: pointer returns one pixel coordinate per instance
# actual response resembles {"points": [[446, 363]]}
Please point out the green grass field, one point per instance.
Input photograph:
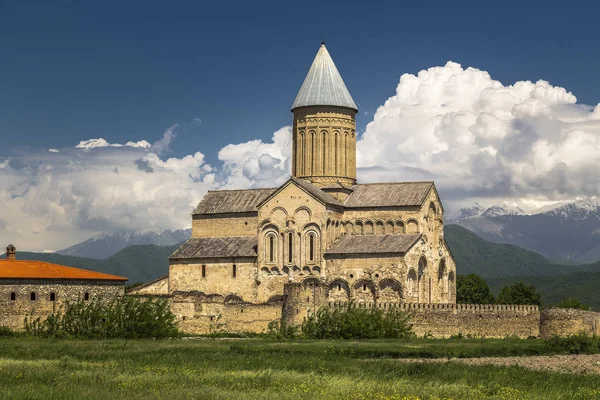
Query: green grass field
{"points": [[266, 369]]}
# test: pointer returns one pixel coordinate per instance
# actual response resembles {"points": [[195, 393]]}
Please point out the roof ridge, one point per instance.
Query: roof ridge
{"points": [[218, 237], [390, 183], [239, 190]]}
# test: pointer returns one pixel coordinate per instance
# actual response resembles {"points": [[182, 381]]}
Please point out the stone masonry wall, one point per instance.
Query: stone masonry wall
{"points": [[13, 312], [234, 224], [198, 313], [438, 320], [567, 321], [490, 321]]}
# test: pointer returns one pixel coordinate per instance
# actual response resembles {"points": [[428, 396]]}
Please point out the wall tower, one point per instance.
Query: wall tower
{"points": [[324, 133]]}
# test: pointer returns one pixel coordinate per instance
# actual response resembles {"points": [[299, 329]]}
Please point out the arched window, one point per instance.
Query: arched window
{"points": [[32, 296], [442, 280], [290, 247], [52, 296], [271, 247], [311, 247], [13, 296], [421, 282], [204, 271], [234, 270], [86, 296], [412, 285]]}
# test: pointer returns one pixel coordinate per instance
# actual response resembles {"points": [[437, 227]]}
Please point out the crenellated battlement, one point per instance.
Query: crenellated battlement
{"points": [[439, 306]]}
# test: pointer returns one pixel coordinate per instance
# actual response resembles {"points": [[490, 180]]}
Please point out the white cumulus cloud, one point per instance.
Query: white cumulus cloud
{"points": [[478, 138]]}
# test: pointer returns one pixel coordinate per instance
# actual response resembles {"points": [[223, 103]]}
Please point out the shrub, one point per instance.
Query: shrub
{"points": [[353, 322], [280, 330], [124, 317], [574, 344], [5, 331]]}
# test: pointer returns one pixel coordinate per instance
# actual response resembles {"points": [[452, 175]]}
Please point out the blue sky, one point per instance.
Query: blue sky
{"points": [[128, 70], [203, 90]]}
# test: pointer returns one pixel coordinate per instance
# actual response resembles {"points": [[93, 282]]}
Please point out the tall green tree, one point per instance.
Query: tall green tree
{"points": [[473, 289], [519, 293]]}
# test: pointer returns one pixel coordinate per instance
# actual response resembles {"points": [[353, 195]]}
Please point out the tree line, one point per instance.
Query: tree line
{"points": [[473, 289]]}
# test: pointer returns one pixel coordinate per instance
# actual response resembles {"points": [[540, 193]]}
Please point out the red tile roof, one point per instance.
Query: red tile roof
{"points": [[29, 269]]}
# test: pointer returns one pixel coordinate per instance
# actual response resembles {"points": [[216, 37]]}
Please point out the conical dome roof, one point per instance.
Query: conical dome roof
{"points": [[323, 85]]}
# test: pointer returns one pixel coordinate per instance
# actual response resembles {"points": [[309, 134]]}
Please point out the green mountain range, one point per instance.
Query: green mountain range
{"points": [[475, 255]]}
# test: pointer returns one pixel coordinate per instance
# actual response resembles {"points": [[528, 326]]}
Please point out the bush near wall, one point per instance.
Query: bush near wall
{"points": [[352, 322], [124, 317]]}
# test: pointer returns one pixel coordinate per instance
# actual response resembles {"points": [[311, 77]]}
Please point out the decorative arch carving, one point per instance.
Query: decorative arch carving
{"points": [[400, 227], [363, 291], [389, 227], [358, 227], [379, 228], [303, 208], [349, 228], [338, 290], [368, 227], [412, 226], [265, 222], [390, 290], [310, 281], [279, 208]]}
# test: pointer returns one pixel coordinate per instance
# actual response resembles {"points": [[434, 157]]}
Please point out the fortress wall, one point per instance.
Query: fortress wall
{"points": [[479, 320], [200, 314], [567, 321]]}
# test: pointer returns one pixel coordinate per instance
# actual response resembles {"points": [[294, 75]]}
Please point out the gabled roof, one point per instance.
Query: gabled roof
{"points": [[217, 247], [323, 85], [310, 189], [373, 244], [388, 194], [31, 269], [316, 192], [232, 201]]}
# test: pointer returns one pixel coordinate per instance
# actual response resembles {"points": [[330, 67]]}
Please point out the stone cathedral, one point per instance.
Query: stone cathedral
{"points": [[369, 243]]}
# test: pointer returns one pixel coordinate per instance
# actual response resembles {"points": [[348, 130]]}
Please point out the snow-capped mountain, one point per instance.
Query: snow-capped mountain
{"points": [[105, 245], [578, 210], [567, 233], [501, 209], [478, 211], [466, 213]]}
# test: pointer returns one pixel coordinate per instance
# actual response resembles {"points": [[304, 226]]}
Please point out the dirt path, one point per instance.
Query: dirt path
{"points": [[574, 364]]}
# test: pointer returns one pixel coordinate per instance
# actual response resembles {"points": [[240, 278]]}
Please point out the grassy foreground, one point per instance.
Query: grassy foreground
{"points": [[263, 369]]}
